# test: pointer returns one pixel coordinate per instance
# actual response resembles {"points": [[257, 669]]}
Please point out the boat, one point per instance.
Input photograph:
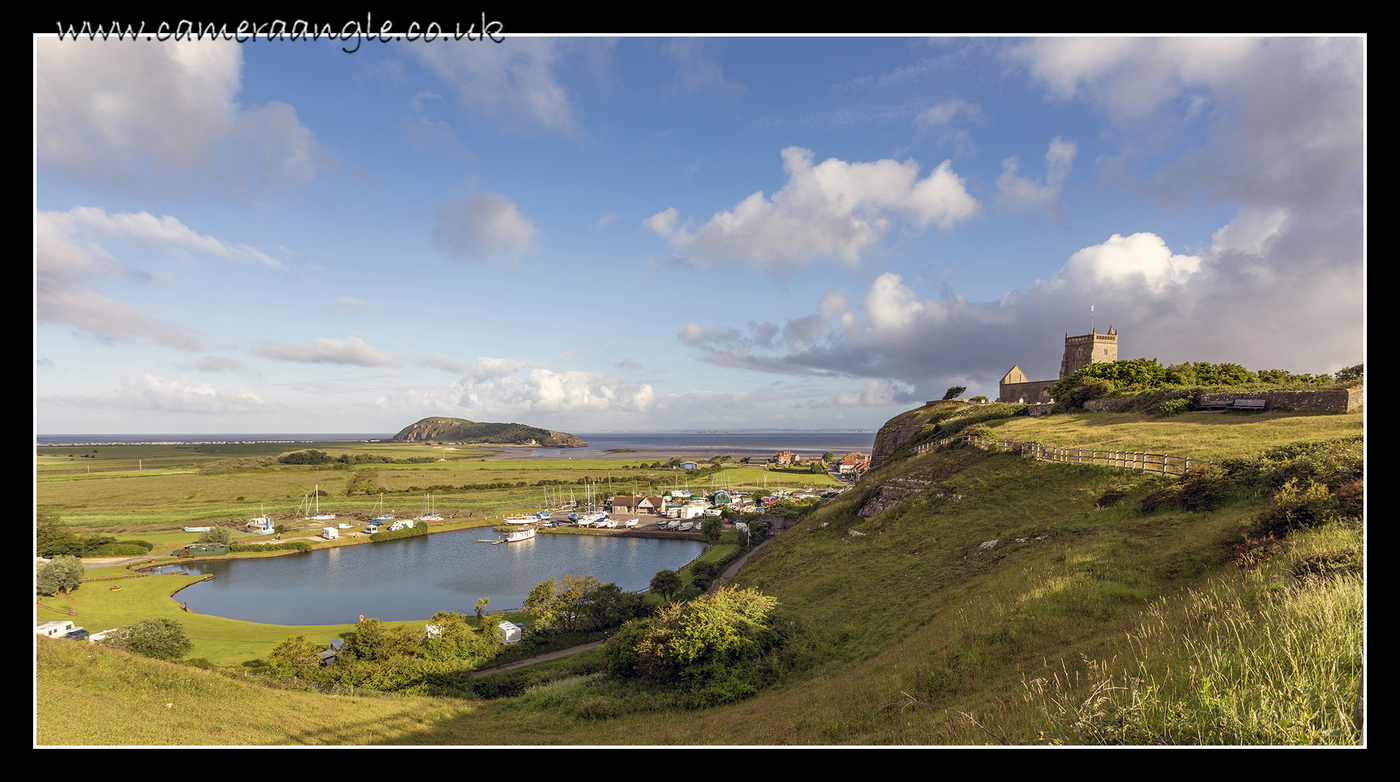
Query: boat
{"points": [[630, 523], [517, 535], [429, 513], [380, 510], [198, 529], [686, 526], [319, 515]]}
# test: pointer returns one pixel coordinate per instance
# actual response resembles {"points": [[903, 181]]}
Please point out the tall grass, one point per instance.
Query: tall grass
{"points": [[1272, 658]]}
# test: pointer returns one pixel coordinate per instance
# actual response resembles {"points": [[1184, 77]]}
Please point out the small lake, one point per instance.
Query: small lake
{"points": [[414, 578]]}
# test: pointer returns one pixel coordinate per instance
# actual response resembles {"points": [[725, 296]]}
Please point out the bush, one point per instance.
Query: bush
{"points": [[163, 639], [216, 535], [61, 573]]}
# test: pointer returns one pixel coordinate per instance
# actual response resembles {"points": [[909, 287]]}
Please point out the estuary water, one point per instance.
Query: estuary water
{"points": [[414, 578]]}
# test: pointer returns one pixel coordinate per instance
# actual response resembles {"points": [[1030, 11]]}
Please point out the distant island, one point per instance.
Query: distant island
{"points": [[464, 431]]}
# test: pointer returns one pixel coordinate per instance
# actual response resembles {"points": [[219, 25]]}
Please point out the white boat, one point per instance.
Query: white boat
{"points": [[686, 526], [521, 519], [673, 524], [429, 514], [517, 535], [319, 515], [630, 523]]}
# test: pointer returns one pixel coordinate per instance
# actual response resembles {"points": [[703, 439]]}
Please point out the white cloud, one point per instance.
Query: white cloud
{"points": [[1019, 194], [350, 303], [520, 85], [697, 73], [483, 225], [71, 261], [155, 113], [1141, 261], [835, 210], [353, 351], [1223, 304], [492, 393], [166, 395]]}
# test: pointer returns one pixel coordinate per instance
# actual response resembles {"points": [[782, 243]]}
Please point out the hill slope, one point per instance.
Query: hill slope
{"points": [[462, 430]]}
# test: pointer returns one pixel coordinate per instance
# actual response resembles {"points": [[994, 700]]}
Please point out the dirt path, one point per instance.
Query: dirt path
{"points": [[539, 658]]}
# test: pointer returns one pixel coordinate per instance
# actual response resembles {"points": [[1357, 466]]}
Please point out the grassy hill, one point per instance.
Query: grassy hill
{"points": [[462, 430], [1089, 621]]}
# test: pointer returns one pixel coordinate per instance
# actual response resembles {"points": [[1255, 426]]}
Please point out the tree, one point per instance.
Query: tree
{"points": [[666, 583], [952, 392], [561, 603], [375, 640], [216, 535], [1348, 374], [63, 573], [53, 538], [294, 657], [163, 639], [711, 529]]}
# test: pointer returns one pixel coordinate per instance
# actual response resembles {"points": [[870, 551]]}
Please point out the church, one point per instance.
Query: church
{"points": [[1080, 352]]}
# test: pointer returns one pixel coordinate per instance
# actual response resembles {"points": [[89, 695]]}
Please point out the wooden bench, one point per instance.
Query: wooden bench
{"points": [[1248, 404], [1215, 405]]}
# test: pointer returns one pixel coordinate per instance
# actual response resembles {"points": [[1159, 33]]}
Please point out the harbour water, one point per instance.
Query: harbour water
{"points": [[414, 578]]}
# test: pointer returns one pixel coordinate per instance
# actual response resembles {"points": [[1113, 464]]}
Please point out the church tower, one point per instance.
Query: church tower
{"points": [[1086, 349]]}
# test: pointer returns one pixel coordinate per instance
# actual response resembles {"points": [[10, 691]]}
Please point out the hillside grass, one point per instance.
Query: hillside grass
{"points": [[1102, 626], [1210, 436]]}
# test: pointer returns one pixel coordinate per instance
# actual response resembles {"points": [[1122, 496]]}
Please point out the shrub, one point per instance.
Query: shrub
{"points": [[163, 639], [1296, 506], [216, 535]]}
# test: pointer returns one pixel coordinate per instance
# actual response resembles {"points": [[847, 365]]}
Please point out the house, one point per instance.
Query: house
{"points": [[56, 629], [785, 458], [855, 462], [689, 465], [329, 656]]}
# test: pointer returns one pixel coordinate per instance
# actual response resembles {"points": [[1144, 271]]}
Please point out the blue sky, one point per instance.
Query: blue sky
{"points": [[692, 233]]}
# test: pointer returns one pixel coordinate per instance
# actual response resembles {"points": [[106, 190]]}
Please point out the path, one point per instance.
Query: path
{"points": [[539, 658]]}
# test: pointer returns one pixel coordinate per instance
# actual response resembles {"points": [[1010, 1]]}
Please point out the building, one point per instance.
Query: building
{"points": [[1080, 352]]}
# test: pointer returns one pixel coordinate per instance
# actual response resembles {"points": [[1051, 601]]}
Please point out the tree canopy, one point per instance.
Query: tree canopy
{"points": [[561, 603], [63, 573]]}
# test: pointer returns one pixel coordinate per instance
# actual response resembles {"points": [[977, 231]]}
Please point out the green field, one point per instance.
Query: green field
{"points": [[109, 493], [1083, 624]]}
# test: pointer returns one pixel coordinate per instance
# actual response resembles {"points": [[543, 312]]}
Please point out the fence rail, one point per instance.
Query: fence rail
{"points": [[1159, 463]]}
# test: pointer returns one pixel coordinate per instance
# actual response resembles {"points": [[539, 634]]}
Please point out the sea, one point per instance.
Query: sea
{"points": [[696, 445]]}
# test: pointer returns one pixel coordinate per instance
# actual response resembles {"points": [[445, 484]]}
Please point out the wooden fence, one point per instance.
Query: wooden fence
{"points": [[1159, 463]]}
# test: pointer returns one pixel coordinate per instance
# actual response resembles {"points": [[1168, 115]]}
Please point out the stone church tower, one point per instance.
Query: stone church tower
{"points": [[1091, 348]]}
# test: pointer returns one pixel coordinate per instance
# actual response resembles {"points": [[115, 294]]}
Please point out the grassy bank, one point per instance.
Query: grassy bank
{"points": [[1082, 624]]}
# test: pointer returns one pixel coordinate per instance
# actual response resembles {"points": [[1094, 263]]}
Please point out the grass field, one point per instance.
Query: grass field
{"points": [[1080, 625], [117, 497]]}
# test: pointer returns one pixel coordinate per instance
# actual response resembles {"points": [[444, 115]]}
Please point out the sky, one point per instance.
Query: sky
{"points": [[647, 233]]}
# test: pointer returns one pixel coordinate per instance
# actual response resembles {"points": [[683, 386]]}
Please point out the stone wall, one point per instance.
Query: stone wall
{"points": [[1332, 400], [1032, 392]]}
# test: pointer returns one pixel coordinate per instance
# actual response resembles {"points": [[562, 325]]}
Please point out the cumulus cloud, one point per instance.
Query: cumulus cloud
{"points": [[167, 395], [481, 226], [1217, 305], [72, 260], [495, 392], [324, 350], [350, 303], [163, 113], [836, 210]]}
